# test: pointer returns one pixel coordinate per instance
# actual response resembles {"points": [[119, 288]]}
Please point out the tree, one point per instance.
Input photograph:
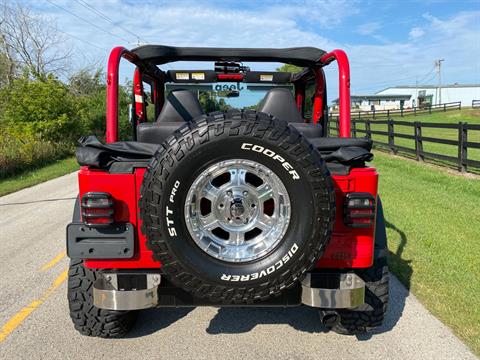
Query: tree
{"points": [[6, 70], [289, 68], [86, 81], [31, 41], [208, 101]]}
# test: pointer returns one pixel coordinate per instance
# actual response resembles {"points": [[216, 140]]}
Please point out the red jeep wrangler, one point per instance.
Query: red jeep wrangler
{"points": [[233, 208]]}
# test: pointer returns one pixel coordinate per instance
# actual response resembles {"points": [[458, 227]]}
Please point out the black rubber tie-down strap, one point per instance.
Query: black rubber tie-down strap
{"points": [[179, 108]]}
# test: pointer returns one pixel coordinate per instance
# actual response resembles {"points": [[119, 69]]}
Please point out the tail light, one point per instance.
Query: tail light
{"points": [[359, 210], [97, 209]]}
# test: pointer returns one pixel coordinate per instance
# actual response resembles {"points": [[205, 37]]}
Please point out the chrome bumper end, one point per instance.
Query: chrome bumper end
{"points": [[349, 294], [107, 295]]}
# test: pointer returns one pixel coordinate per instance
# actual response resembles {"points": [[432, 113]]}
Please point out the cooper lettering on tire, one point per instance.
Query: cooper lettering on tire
{"points": [[237, 206]]}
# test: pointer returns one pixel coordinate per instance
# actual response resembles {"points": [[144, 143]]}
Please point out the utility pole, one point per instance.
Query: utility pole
{"points": [[438, 65], [416, 91]]}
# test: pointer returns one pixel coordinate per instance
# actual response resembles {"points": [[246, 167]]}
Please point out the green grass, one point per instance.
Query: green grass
{"points": [[33, 177], [469, 115], [433, 228]]}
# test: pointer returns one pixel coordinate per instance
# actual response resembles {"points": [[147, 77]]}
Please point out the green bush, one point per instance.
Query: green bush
{"points": [[41, 119], [20, 152]]}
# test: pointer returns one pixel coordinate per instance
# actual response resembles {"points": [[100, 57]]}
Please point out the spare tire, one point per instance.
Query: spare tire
{"points": [[237, 206]]}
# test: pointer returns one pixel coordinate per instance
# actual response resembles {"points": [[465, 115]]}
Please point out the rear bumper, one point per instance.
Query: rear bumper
{"points": [[323, 291], [348, 290]]}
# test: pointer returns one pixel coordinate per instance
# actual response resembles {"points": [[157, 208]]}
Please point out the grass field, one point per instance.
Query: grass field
{"points": [[433, 230], [468, 115], [30, 178]]}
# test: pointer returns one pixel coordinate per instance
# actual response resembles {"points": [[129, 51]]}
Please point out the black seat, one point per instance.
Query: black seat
{"points": [[180, 106], [280, 103]]}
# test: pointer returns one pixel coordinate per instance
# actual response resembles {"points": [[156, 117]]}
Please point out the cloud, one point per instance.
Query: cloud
{"points": [[369, 28], [454, 39], [416, 33], [276, 24]]}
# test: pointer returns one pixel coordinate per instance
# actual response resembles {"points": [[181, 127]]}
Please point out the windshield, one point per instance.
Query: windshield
{"points": [[224, 96]]}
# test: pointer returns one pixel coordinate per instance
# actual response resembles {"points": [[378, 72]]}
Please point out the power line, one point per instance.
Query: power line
{"points": [[427, 75], [423, 78], [88, 22], [106, 18], [63, 32]]}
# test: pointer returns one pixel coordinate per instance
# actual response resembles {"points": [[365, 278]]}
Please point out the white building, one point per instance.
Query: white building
{"points": [[464, 93], [377, 101], [397, 97]]}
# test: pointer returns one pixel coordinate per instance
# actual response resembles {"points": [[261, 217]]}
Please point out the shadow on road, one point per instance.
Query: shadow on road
{"points": [[153, 320], [398, 293], [303, 318]]}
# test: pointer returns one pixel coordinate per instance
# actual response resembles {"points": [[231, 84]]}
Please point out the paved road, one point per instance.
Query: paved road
{"points": [[35, 324]]}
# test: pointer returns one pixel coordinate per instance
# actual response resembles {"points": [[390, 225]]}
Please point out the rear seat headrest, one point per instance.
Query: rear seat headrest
{"points": [[180, 105], [280, 103]]}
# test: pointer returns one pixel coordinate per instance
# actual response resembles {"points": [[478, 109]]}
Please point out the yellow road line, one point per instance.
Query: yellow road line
{"points": [[20, 316], [52, 263]]}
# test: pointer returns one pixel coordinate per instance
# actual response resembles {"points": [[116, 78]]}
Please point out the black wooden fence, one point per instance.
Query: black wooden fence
{"points": [[387, 114], [462, 161]]}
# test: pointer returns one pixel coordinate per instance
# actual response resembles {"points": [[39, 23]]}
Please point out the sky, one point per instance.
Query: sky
{"points": [[388, 42]]}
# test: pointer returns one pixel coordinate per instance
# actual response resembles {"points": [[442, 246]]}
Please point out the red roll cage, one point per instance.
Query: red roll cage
{"points": [[158, 89]]}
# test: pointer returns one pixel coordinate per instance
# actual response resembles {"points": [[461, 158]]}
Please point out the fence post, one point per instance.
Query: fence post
{"points": [[391, 136], [401, 112], [354, 129], [388, 114], [429, 108], [418, 141], [415, 111], [368, 129], [444, 107], [359, 116], [462, 146], [374, 112]]}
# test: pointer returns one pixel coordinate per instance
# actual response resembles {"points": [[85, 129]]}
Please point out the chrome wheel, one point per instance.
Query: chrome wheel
{"points": [[237, 210]]}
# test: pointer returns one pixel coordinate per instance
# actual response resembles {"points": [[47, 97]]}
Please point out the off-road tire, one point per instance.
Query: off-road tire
{"points": [[370, 315], [217, 137], [88, 319]]}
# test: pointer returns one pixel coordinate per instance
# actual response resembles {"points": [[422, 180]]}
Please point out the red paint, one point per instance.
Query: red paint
{"points": [[344, 88], [112, 90], [319, 94], [230, 77], [349, 247], [125, 190], [139, 96], [300, 97]]}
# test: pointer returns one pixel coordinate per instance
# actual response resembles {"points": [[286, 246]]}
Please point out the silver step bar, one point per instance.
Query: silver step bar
{"points": [[349, 293]]}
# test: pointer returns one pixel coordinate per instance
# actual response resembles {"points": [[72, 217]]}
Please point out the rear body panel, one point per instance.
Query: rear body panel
{"points": [[349, 247]]}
